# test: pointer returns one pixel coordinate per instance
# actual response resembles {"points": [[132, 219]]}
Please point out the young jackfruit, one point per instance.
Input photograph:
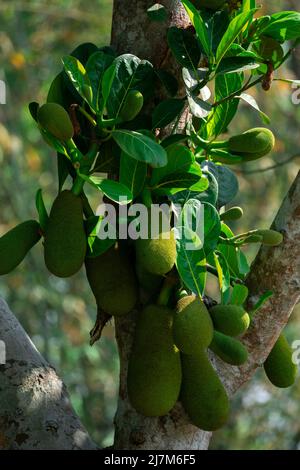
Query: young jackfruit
{"points": [[150, 282], [202, 393], [211, 4], [270, 237], [154, 370], [112, 281], [132, 105], [192, 327], [16, 243], [279, 367], [252, 144], [55, 119], [229, 349], [232, 320], [65, 239], [234, 213]]}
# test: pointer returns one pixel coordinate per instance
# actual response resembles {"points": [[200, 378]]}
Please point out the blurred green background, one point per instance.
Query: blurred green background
{"points": [[58, 314]]}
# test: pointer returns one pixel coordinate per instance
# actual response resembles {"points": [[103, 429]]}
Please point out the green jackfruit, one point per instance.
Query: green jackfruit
{"points": [[202, 393], [229, 349], [279, 367], [65, 239], [252, 144], [148, 281], [232, 320], [270, 237], [211, 4], [192, 327], [132, 105], [234, 213], [16, 243], [112, 281], [154, 370], [55, 119]]}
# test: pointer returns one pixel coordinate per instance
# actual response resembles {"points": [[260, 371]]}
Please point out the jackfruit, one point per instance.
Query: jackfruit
{"points": [[154, 369], [234, 213], [279, 366], [192, 327], [203, 395], [132, 105], [270, 237], [229, 349], [148, 281], [65, 238], [16, 243], [112, 281], [232, 320], [252, 144], [211, 4], [55, 119]]}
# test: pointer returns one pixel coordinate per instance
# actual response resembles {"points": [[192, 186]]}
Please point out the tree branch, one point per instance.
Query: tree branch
{"points": [[35, 411]]}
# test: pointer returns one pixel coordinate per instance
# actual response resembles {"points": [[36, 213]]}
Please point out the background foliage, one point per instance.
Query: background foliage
{"points": [[58, 314]]}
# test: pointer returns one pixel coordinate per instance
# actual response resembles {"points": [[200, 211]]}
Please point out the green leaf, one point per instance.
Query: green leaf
{"points": [[212, 227], [237, 64], [208, 193], [227, 183], [84, 51], [140, 147], [283, 26], [191, 264], [95, 68], [174, 139], [199, 25], [216, 27], [42, 212], [96, 246], [180, 158], [223, 276], [198, 107], [133, 174], [64, 169], [53, 142], [79, 78], [168, 80], [166, 111], [157, 12], [252, 102], [239, 294], [223, 114], [131, 73], [107, 81], [235, 257], [184, 47], [114, 190], [234, 29], [33, 109], [261, 301], [179, 180]]}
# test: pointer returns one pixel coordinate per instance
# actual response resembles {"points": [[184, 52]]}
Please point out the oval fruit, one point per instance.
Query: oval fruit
{"points": [[232, 320], [55, 119]]}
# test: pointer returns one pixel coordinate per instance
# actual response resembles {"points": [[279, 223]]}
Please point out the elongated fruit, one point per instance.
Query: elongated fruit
{"points": [[279, 367], [55, 119], [132, 105], [234, 213], [192, 327], [65, 239], [202, 393], [16, 243], [230, 350], [154, 372], [252, 144], [232, 320], [270, 237], [112, 281]]}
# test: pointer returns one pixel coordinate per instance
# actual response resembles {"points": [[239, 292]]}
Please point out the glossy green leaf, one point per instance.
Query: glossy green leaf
{"points": [[184, 47], [96, 246], [227, 183], [249, 99], [239, 294], [283, 26], [79, 78], [237, 64], [133, 174], [42, 212], [157, 12], [199, 25], [223, 275], [95, 68], [166, 111], [168, 80], [180, 158], [114, 190]]}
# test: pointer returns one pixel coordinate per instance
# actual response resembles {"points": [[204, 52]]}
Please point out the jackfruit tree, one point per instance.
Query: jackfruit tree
{"points": [[146, 120]]}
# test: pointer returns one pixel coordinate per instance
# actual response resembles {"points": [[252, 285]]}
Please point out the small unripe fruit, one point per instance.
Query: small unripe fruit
{"points": [[252, 144], [132, 105], [234, 213], [232, 320], [55, 119], [279, 367], [230, 350], [270, 237], [192, 327]]}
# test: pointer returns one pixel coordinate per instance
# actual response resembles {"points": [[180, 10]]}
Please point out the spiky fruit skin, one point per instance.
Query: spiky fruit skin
{"points": [[202, 393], [55, 119], [154, 370], [192, 326], [271, 237], [234, 213], [112, 281], [229, 349], [65, 238], [279, 367], [232, 320], [132, 105], [16, 243], [157, 256], [252, 144], [211, 4]]}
